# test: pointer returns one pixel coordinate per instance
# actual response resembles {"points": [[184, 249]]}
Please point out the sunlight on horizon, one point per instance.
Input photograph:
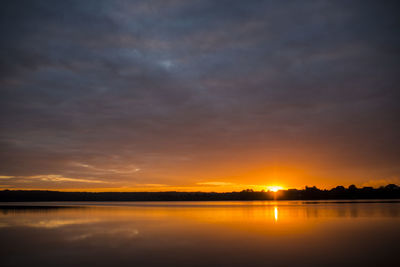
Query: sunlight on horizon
{"points": [[274, 188]]}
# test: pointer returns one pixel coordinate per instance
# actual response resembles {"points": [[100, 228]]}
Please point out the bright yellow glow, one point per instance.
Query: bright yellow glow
{"points": [[274, 188], [276, 213]]}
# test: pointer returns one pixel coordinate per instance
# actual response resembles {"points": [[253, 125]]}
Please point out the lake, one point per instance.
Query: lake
{"points": [[234, 233]]}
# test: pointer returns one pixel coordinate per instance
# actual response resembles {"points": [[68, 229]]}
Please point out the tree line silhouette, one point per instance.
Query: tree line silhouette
{"points": [[391, 191]]}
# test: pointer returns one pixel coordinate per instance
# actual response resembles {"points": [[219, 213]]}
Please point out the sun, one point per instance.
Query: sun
{"points": [[274, 188]]}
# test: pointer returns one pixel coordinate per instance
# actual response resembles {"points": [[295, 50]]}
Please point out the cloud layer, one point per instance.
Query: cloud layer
{"points": [[190, 92]]}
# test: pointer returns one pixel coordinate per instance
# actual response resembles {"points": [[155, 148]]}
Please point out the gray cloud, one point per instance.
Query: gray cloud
{"points": [[172, 86]]}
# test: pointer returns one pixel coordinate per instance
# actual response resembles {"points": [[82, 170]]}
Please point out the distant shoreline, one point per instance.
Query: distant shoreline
{"points": [[389, 192], [72, 204]]}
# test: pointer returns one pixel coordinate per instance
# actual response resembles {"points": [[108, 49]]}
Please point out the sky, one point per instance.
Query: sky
{"points": [[198, 95]]}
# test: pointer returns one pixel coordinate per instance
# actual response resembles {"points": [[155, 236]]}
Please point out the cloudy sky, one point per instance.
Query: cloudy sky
{"points": [[198, 94]]}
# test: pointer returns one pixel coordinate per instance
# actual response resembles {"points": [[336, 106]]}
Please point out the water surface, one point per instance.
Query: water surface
{"points": [[259, 233]]}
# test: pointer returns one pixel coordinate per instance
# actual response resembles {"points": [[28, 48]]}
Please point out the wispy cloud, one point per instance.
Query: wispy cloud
{"points": [[216, 183], [151, 185], [122, 169], [6, 177], [60, 178]]}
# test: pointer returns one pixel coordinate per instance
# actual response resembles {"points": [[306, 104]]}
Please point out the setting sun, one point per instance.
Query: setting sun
{"points": [[274, 188]]}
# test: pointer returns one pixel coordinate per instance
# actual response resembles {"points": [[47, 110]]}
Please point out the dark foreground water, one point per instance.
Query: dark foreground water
{"points": [[200, 234]]}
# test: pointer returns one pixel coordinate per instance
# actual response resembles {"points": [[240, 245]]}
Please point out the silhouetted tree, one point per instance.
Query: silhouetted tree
{"points": [[390, 191], [352, 187]]}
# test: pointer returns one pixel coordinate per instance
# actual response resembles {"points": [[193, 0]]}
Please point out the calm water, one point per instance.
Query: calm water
{"points": [[200, 234]]}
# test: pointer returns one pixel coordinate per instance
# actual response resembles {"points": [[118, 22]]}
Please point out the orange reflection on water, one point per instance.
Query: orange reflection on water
{"points": [[253, 233], [266, 216]]}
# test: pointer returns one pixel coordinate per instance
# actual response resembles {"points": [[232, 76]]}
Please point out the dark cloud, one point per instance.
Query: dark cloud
{"points": [[179, 89]]}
